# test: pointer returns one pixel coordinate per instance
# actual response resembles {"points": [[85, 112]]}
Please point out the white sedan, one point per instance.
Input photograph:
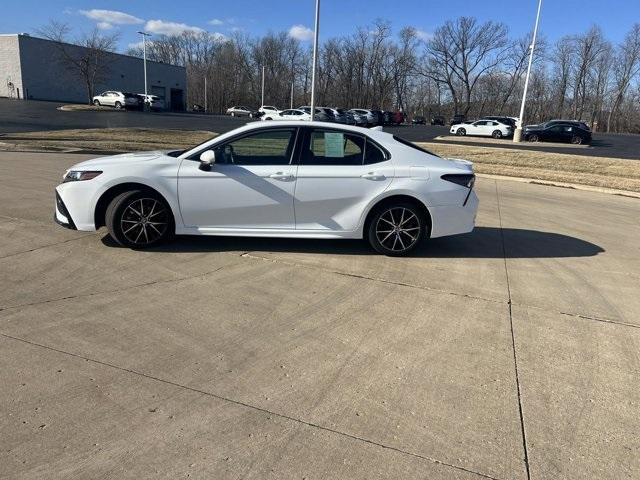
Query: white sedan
{"points": [[483, 128], [291, 114], [291, 179]]}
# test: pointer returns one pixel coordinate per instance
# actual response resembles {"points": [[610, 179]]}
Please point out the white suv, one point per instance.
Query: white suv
{"points": [[117, 99]]}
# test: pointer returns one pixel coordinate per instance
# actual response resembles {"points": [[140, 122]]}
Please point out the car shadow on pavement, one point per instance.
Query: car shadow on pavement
{"points": [[483, 242]]}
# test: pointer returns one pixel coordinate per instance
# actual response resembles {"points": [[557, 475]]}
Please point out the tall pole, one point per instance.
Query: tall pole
{"points": [[144, 61], [205, 94], [291, 105], [517, 136], [315, 60], [262, 104]]}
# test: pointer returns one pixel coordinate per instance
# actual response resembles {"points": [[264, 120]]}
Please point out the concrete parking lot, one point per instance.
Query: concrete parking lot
{"points": [[508, 353]]}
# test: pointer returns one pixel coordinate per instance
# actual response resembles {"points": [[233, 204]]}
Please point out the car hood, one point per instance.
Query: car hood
{"points": [[113, 160]]}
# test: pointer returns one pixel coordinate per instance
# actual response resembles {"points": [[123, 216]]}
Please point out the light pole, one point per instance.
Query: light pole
{"points": [[144, 61], [262, 104], [517, 135], [291, 104], [315, 60]]}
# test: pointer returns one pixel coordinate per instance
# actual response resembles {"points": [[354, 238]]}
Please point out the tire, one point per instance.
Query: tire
{"points": [[130, 229], [118, 106], [461, 132], [268, 118], [96, 103], [533, 138], [387, 238], [576, 140], [496, 134]]}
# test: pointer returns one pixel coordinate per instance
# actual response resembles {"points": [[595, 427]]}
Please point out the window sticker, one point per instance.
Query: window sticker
{"points": [[334, 145]]}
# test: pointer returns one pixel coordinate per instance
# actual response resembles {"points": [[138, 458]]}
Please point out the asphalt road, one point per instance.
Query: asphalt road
{"points": [[34, 116], [265, 358]]}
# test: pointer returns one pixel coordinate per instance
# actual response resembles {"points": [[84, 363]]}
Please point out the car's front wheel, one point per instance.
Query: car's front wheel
{"points": [[396, 229], [461, 132], [139, 219], [96, 102], [533, 138]]}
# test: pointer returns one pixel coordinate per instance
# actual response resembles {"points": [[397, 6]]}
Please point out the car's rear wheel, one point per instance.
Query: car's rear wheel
{"points": [[576, 140], [533, 138], [96, 102], [118, 105], [139, 219], [496, 134], [461, 132], [396, 229]]}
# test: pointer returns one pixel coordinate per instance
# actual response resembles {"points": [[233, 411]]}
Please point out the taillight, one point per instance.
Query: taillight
{"points": [[463, 179]]}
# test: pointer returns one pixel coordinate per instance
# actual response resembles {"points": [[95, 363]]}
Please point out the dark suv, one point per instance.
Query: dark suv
{"points": [[437, 120], [458, 118], [558, 132]]}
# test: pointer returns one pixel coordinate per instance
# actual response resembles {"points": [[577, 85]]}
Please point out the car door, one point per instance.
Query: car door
{"points": [[480, 127], [250, 185], [339, 172], [553, 133], [109, 99]]}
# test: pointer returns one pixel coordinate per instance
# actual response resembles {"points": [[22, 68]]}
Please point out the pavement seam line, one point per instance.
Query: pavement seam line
{"points": [[250, 406], [250, 255], [92, 294], [47, 246], [513, 342]]}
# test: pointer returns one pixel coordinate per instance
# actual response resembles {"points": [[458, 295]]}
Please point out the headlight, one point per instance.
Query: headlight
{"points": [[78, 175]]}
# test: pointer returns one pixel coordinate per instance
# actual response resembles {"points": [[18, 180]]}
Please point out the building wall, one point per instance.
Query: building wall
{"points": [[45, 76], [10, 67]]}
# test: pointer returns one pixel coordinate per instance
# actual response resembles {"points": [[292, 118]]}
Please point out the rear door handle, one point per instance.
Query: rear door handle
{"points": [[281, 176], [373, 176]]}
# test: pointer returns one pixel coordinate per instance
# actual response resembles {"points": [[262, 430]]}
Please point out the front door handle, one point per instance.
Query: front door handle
{"points": [[373, 176], [281, 176]]}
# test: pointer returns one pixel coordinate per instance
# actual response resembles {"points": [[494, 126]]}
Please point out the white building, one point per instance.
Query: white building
{"points": [[31, 68]]}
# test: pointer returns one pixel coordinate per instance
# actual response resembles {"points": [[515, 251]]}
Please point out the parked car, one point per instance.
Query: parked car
{"points": [[242, 112], [511, 121], [154, 102], [117, 99], [291, 114], [418, 120], [197, 108], [360, 119], [551, 123], [319, 114], [245, 182], [399, 117], [339, 115], [332, 115], [378, 116], [558, 132], [437, 120], [268, 109], [458, 118], [484, 128], [367, 114]]}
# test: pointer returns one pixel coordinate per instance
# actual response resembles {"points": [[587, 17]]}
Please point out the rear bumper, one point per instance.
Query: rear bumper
{"points": [[454, 219]]}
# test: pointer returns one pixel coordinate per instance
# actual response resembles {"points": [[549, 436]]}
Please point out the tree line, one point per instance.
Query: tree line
{"points": [[465, 67]]}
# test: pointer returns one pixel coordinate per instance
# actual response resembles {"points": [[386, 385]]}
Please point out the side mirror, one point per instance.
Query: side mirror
{"points": [[207, 159]]}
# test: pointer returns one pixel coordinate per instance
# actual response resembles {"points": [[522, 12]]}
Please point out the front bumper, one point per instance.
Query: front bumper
{"points": [[62, 215]]}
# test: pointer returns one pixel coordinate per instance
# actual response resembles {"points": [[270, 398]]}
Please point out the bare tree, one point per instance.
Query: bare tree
{"points": [[90, 64], [626, 68], [461, 52]]}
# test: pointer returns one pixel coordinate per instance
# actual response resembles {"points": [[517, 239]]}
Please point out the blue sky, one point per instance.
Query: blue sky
{"points": [[338, 17]]}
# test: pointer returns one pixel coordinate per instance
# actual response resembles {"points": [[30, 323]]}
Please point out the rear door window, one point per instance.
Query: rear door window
{"points": [[331, 147]]}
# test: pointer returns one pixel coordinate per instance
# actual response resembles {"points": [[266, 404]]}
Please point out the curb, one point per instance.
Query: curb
{"points": [[575, 186]]}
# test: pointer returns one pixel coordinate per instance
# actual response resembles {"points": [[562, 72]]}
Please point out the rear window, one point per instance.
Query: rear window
{"points": [[414, 146]]}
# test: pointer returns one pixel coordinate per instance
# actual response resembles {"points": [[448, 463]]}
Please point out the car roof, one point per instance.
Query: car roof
{"points": [[375, 134]]}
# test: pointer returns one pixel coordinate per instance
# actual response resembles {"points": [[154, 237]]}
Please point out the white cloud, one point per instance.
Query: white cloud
{"points": [[216, 21], [104, 26], [220, 37], [137, 45], [161, 27], [112, 17], [300, 32], [422, 35]]}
